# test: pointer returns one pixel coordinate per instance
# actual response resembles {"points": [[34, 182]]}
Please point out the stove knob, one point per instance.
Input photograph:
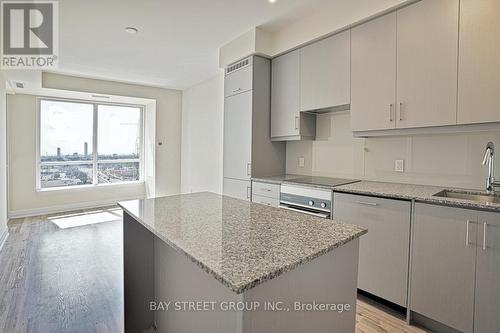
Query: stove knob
{"points": [[323, 205], [311, 203]]}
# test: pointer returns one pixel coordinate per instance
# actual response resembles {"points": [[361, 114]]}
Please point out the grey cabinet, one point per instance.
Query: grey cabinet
{"points": [[266, 194], [373, 81], [404, 68], [239, 81], [487, 297], [479, 68], [285, 87], [287, 122], [248, 148], [384, 250], [238, 136], [443, 265], [325, 73], [427, 56], [236, 188]]}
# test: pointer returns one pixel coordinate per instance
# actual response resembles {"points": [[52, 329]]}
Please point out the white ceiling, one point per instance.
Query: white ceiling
{"points": [[178, 40]]}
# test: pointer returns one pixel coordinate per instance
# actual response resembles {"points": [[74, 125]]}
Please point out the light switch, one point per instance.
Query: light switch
{"points": [[302, 162], [399, 165]]}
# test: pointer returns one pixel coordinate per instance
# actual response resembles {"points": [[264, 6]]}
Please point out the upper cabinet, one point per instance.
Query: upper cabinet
{"points": [[427, 56], [287, 122], [479, 65], [325, 73], [239, 81], [373, 74], [404, 68]]}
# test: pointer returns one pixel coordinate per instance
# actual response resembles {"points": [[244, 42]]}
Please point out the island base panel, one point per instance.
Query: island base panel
{"points": [[138, 277], [330, 278], [172, 277]]}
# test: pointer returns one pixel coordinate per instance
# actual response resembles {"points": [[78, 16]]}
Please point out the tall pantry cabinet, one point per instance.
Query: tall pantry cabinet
{"points": [[248, 149]]}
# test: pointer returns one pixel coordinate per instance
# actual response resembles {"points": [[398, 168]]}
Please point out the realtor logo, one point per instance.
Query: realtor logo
{"points": [[29, 34]]}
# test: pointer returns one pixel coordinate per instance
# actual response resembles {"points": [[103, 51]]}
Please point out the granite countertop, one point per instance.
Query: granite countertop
{"points": [[421, 193], [241, 244], [276, 179]]}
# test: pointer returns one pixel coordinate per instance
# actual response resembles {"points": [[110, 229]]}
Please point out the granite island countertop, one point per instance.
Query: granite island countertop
{"points": [[241, 244]]}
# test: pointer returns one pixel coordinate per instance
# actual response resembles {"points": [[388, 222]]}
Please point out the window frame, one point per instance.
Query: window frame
{"points": [[94, 161]]}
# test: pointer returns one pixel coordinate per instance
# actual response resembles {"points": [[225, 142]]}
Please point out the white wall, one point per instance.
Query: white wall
{"points": [[21, 109], [445, 160], [3, 161], [202, 135], [324, 20]]}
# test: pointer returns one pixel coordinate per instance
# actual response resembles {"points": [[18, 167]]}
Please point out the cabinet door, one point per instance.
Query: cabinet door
{"points": [[373, 85], [479, 67], [285, 116], [238, 136], [238, 81], [384, 250], [443, 265], [239, 189], [325, 73], [487, 310], [427, 56]]}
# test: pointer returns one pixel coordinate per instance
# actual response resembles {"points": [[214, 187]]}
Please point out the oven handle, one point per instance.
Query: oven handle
{"points": [[288, 203], [322, 215]]}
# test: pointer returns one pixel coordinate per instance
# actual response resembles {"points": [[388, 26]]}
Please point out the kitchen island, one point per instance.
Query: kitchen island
{"points": [[204, 262]]}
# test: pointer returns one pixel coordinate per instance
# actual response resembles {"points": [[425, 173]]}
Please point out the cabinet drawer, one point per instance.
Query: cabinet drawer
{"points": [[266, 190], [265, 200], [238, 81]]}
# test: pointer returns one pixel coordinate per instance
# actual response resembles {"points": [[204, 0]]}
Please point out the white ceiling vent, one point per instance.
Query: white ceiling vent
{"points": [[239, 65]]}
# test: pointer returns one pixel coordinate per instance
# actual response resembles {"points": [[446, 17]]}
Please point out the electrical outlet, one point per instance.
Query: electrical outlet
{"points": [[399, 165], [302, 162]]}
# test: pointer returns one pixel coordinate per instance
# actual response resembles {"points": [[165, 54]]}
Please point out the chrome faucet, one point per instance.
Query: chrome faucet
{"points": [[489, 158]]}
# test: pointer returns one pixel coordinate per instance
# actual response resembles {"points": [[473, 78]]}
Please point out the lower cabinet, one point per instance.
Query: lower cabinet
{"points": [[443, 270], [239, 189], [384, 250], [455, 275], [266, 194], [487, 297]]}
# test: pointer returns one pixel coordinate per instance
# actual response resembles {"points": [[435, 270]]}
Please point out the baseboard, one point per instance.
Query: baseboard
{"points": [[15, 214], [3, 238]]}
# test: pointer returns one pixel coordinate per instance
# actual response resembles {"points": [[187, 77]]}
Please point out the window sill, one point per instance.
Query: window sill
{"points": [[90, 187]]}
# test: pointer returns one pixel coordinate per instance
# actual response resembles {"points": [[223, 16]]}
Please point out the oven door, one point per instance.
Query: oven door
{"points": [[305, 210]]}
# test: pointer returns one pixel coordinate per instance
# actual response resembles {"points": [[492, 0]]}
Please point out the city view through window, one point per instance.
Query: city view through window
{"points": [[71, 131]]}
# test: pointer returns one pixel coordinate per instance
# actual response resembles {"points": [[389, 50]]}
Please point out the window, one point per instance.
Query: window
{"points": [[86, 143]]}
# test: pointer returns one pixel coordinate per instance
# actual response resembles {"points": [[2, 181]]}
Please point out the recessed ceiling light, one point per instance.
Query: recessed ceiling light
{"points": [[131, 30], [272, 1]]}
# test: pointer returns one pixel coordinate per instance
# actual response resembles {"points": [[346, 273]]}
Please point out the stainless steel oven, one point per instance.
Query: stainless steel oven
{"points": [[307, 200]]}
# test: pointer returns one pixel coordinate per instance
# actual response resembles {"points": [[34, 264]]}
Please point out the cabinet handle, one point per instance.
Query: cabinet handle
{"points": [[265, 189], [485, 228], [249, 169], [467, 241], [401, 111], [390, 112], [367, 203], [236, 90], [249, 192], [297, 121]]}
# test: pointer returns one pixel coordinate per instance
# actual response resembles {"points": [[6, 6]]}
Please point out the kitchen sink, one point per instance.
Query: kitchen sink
{"points": [[471, 196]]}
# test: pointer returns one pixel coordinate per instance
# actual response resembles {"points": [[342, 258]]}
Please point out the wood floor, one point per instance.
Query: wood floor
{"points": [[58, 274]]}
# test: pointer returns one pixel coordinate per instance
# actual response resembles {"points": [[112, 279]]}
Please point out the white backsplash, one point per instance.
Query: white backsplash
{"points": [[437, 159]]}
